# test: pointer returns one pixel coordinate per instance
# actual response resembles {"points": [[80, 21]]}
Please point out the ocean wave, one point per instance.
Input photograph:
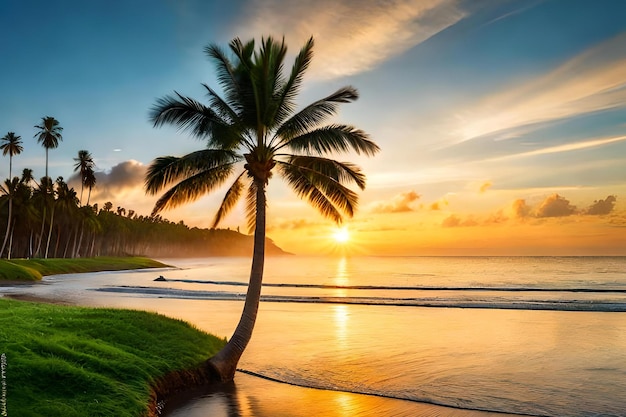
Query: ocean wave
{"points": [[461, 302], [376, 393], [619, 290]]}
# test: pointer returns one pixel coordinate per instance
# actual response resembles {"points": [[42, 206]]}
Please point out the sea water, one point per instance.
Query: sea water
{"points": [[543, 336]]}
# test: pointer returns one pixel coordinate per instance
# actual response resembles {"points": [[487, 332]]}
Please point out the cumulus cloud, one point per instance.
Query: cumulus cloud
{"points": [[398, 204], [373, 31], [455, 221], [602, 207], [123, 177], [558, 206], [555, 206], [521, 209], [592, 81]]}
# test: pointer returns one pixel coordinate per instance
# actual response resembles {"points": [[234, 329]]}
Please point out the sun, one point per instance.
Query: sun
{"points": [[341, 235]]}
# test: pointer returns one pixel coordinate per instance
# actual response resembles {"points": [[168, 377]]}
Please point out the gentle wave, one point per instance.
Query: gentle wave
{"points": [[512, 304], [380, 394], [405, 288]]}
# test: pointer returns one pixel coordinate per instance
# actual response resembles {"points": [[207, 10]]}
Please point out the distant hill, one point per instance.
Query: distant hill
{"points": [[156, 237], [211, 242]]}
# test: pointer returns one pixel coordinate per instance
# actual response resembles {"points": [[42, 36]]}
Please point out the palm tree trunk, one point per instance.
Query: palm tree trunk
{"points": [[6, 235], [43, 224], [49, 232], [11, 240], [46, 162], [224, 364]]}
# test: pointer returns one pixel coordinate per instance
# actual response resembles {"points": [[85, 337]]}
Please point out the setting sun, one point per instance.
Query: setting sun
{"points": [[341, 235]]}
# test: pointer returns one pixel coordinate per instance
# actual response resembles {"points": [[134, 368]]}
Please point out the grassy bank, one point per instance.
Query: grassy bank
{"points": [[34, 269], [77, 361]]}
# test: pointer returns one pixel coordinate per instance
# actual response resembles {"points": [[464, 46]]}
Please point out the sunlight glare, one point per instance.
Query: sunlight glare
{"points": [[341, 235]]}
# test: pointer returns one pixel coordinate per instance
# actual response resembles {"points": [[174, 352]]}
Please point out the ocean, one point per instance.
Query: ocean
{"points": [[540, 336]]}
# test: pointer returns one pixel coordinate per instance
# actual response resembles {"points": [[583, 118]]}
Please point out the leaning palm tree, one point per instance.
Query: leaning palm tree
{"points": [[251, 133], [84, 164], [12, 145], [49, 135]]}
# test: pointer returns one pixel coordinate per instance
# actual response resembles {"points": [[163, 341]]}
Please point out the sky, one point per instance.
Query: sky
{"points": [[502, 123]]}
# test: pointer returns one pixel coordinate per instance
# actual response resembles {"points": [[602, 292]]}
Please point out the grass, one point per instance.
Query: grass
{"points": [[77, 361], [34, 269]]}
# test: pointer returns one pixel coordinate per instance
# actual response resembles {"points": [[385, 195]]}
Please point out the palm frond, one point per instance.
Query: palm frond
{"points": [[316, 113], [328, 196], [333, 138], [230, 199], [342, 172], [188, 115], [233, 134], [291, 88], [225, 76], [193, 187], [168, 169]]}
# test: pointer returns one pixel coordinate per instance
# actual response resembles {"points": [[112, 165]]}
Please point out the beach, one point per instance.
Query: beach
{"points": [[390, 359]]}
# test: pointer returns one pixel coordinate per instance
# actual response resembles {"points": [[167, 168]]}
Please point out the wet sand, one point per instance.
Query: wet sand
{"points": [[252, 396]]}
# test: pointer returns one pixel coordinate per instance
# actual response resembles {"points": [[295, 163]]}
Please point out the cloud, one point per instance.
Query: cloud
{"points": [[110, 185], [438, 205], [602, 207], [399, 204], [372, 31], [564, 148], [592, 81], [555, 206], [521, 209], [485, 186], [454, 221], [292, 224]]}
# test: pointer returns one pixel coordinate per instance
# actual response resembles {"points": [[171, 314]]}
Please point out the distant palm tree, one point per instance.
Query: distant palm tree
{"points": [[89, 181], [9, 190], [27, 176], [84, 164], [256, 128], [49, 135], [12, 145]]}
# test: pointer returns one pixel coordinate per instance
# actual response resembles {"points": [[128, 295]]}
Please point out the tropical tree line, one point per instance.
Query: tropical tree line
{"points": [[47, 218]]}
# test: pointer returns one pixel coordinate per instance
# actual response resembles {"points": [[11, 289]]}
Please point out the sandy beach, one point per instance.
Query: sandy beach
{"points": [[400, 359]]}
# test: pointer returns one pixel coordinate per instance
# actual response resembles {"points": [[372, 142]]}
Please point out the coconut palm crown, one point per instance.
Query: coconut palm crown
{"points": [[49, 135], [253, 131], [12, 145]]}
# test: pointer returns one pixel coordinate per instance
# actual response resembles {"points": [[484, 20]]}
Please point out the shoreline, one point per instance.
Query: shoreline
{"points": [[176, 393]]}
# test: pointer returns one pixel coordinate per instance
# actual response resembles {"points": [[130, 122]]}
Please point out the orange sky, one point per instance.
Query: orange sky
{"points": [[502, 125]]}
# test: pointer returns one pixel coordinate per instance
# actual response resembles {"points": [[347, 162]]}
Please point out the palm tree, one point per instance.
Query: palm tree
{"points": [[9, 190], [12, 145], [49, 135], [253, 132], [89, 181], [84, 164]]}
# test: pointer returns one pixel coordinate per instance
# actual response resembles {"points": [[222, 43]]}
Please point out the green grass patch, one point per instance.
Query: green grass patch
{"points": [[78, 361], [34, 269]]}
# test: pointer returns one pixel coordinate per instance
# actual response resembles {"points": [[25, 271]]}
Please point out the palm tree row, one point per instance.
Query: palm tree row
{"points": [[73, 230]]}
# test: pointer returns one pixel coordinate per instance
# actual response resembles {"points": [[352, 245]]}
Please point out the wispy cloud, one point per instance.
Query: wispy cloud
{"points": [[592, 81], [353, 35], [564, 148]]}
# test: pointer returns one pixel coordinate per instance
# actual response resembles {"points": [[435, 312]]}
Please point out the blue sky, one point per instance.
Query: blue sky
{"points": [[477, 105]]}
